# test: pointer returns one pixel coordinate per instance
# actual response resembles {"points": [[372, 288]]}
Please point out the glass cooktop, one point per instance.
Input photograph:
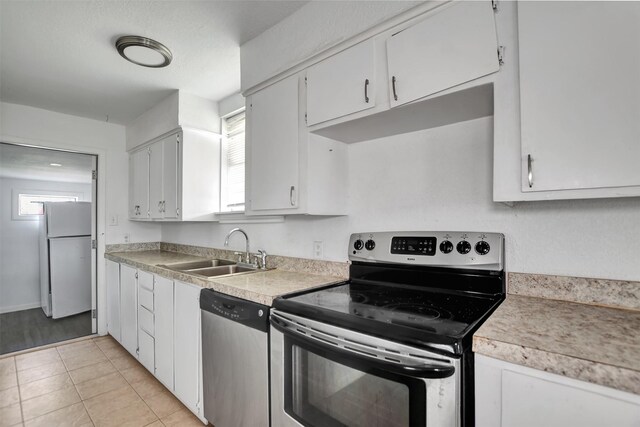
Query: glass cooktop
{"points": [[438, 313]]}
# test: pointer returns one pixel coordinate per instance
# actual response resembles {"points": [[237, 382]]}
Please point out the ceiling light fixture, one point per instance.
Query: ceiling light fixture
{"points": [[143, 51], [55, 164]]}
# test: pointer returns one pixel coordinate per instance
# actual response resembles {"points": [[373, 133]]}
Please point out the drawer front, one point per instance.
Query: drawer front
{"points": [[145, 298], [145, 320], [146, 351], [145, 280]]}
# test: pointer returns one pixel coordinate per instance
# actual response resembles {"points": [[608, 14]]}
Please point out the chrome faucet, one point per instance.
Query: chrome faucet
{"points": [[226, 242]]}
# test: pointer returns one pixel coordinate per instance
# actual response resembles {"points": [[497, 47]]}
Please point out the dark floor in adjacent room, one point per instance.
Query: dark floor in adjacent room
{"points": [[25, 329]]}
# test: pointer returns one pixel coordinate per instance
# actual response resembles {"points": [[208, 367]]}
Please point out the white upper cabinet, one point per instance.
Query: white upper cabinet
{"points": [[179, 175], [163, 178], [139, 185], [579, 96], [272, 120], [342, 84], [288, 170], [452, 46]]}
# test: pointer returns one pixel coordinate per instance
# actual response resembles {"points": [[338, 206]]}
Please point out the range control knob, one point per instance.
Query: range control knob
{"points": [[358, 245], [482, 247], [463, 247], [370, 245], [446, 246]]}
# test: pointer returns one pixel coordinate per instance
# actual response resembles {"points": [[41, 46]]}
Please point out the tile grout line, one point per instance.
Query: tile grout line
{"points": [[15, 365], [136, 392], [93, 422]]}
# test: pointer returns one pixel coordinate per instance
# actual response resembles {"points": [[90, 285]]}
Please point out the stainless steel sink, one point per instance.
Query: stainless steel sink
{"points": [[191, 265], [222, 270], [210, 267]]}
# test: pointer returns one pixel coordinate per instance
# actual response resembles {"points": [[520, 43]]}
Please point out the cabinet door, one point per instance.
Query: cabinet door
{"points": [[146, 351], [155, 180], [342, 84], [170, 153], [163, 310], [187, 344], [113, 299], [579, 94], [140, 183], [529, 401], [273, 147], [451, 47], [129, 309]]}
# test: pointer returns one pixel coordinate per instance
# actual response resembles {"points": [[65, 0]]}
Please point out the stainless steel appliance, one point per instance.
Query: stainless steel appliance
{"points": [[235, 361], [392, 345]]}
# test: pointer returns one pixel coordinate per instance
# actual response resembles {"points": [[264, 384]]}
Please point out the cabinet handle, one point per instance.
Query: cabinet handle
{"points": [[393, 86], [529, 171], [160, 206], [291, 199], [366, 91]]}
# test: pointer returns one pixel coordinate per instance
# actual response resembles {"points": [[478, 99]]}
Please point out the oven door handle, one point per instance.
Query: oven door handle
{"points": [[371, 356]]}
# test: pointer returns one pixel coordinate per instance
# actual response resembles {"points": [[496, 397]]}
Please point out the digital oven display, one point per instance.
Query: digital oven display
{"points": [[414, 245]]}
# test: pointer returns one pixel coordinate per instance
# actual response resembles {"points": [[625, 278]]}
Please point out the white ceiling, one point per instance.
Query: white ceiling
{"points": [[35, 163], [60, 55]]}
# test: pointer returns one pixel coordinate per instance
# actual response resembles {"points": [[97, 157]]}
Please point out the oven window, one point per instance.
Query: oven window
{"points": [[324, 389]]}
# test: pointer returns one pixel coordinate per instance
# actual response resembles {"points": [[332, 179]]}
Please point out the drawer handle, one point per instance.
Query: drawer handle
{"points": [[393, 86], [291, 198], [529, 171], [366, 91]]}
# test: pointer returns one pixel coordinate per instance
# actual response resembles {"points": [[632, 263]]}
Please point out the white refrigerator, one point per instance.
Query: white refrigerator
{"points": [[65, 258]]}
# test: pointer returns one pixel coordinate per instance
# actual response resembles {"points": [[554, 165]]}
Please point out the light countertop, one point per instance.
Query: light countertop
{"points": [[261, 287], [587, 342]]}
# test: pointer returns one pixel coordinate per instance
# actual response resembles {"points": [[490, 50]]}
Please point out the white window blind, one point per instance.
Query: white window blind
{"points": [[232, 194]]}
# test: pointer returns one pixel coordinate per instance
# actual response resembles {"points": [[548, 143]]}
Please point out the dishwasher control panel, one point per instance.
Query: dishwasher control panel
{"points": [[248, 313]]}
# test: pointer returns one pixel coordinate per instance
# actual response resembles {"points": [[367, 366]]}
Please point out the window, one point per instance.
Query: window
{"points": [[33, 204], [232, 179]]}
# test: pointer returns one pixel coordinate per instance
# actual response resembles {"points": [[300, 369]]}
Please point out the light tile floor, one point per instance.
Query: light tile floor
{"points": [[94, 382]]}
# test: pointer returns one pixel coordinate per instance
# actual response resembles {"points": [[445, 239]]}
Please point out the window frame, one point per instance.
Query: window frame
{"points": [[224, 183], [15, 198]]}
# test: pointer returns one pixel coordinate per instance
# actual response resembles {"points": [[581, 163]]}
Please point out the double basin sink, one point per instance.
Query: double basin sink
{"points": [[211, 268]]}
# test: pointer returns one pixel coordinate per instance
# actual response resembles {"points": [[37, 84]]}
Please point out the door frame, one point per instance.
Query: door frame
{"points": [[98, 292]]}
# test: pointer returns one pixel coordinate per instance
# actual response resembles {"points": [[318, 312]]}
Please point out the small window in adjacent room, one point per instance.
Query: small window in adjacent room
{"points": [[232, 179], [33, 204]]}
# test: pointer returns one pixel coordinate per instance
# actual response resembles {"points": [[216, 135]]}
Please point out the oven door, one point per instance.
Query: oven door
{"points": [[325, 376]]}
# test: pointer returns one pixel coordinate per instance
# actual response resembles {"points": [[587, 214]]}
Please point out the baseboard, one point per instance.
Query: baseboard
{"points": [[19, 307]]}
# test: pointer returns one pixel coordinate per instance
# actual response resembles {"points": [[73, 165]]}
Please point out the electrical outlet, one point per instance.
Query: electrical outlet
{"points": [[127, 237], [113, 219], [317, 249]]}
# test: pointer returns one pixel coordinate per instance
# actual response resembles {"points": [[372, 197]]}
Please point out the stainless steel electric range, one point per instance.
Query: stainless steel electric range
{"points": [[392, 345]]}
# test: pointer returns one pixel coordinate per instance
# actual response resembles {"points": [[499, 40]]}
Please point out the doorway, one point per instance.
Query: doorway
{"points": [[47, 246]]}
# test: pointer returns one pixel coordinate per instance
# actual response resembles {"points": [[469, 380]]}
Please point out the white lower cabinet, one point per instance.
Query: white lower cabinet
{"points": [[510, 395], [129, 308], [146, 350], [158, 322], [113, 299], [163, 333], [187, 363]]}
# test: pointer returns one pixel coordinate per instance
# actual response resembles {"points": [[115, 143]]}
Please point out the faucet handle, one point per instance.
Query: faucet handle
{"points": [[263, 257], [239, 254]]}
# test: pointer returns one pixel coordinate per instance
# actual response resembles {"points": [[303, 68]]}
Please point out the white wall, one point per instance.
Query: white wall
{"points": [[441, 179], [19, 244]]}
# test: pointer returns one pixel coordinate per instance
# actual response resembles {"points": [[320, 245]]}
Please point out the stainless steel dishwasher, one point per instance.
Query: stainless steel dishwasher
{"points": [[235, 360]]}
